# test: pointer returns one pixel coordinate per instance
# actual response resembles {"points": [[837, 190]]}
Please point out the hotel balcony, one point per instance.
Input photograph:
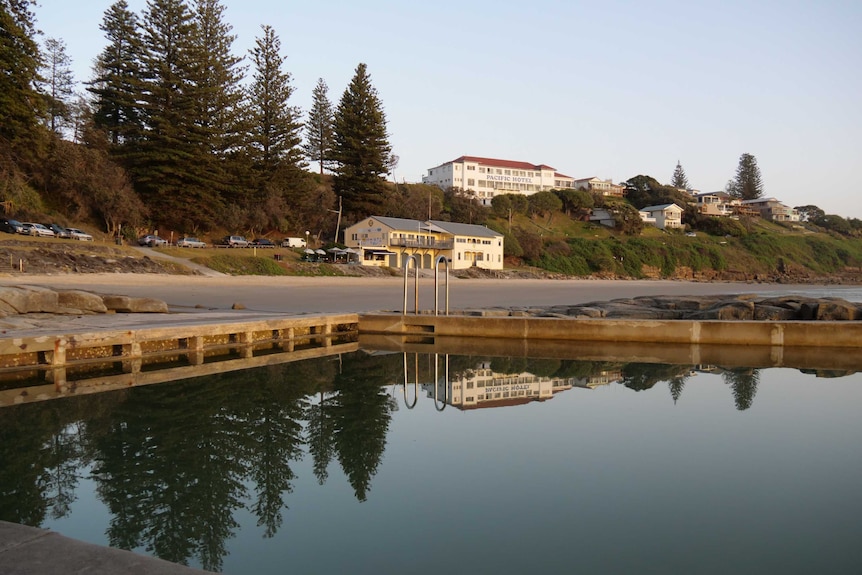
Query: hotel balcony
{"points": [[422, 243]]}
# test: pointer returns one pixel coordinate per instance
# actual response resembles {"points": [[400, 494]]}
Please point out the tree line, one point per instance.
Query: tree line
{"points": [[176, 130]]}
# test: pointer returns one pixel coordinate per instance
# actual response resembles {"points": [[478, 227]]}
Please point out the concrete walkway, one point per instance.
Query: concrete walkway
{"points": [[30, 551]]}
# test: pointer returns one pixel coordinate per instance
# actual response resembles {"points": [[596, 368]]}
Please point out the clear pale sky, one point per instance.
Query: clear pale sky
{"points": [[610, 89]]}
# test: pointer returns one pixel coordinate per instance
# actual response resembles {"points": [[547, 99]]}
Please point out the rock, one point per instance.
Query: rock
{"points": [[82, 300], [836, 311], [774, 313], [237, 306], [126, 304], [38, 299]]}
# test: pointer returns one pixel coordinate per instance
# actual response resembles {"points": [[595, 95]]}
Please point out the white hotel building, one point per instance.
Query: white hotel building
{"points": [[487, 177]]}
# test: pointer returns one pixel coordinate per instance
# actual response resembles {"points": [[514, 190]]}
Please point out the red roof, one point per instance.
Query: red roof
{"points": [[503, 163]]}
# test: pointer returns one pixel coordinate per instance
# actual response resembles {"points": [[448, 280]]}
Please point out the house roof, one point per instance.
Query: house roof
{"points": [[659, 208], [463, 229], [398, 223], [503, 163]]}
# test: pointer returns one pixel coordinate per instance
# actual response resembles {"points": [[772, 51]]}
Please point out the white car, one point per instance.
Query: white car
{"points": [[37, 230], [190, 243], [77, 234]]}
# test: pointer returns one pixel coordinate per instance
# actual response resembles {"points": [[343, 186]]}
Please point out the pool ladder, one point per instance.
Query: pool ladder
{"points": [[437, 262]]}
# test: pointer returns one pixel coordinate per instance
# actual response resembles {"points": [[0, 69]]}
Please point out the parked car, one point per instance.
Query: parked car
{"points": [[59, 231], [152, 241], [262, 243], [32, 229], [293, 243], [190, 243], [80, 235], [234, 242], [11, 226]]}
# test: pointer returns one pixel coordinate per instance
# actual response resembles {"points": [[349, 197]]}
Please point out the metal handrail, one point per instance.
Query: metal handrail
{"points": [[416, 284], [415, 384], [441, 259], [437, 383]]}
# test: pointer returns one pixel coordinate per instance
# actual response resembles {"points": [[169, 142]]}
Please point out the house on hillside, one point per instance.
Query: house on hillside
{"points": [[385, 241], [603, 187], [772, 210], [665, 216], [716, 203]]}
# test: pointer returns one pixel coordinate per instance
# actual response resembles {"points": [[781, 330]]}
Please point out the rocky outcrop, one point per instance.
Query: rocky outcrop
{"points": [[16, 300], [710, 307]]}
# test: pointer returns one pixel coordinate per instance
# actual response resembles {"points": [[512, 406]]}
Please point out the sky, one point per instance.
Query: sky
{"points": [[611, 89]]}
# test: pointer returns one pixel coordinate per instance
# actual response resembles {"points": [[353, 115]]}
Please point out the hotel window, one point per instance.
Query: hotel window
{"points": [[499, 171], [471, 168], [469, 385], [471, 182], [508, 172], [481, 170]]}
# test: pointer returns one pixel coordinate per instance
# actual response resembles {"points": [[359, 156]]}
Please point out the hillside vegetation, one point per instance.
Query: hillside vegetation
{"points": [[757, 250]]}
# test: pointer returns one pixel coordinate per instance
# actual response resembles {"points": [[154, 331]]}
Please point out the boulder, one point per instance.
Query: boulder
{"points": [[836, 311], [81, 300], [774, 313], [732, 310], [126, 304]]}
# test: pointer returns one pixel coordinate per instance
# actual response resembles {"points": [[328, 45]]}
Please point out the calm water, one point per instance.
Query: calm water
{"points": [[514, 466]]}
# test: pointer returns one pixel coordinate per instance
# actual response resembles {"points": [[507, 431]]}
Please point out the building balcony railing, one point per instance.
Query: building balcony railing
{"points": [[422, 243]]}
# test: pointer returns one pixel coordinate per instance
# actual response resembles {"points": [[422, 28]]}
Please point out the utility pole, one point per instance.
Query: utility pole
{"points": [[338, 222]]}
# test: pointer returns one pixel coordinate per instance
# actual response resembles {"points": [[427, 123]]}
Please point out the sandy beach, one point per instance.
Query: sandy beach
{"points": [[358, 294]]}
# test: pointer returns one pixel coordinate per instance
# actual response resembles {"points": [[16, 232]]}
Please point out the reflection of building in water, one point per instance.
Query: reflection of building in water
{"points": [[482, 387], [599, 378]]}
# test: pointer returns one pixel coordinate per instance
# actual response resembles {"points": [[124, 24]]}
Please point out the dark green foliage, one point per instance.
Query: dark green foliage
{"points": [[117, 83], [748, 184], [460, 206], [544, 203], [361, 152], [834, 223], [643, 191], [58, 85], [679, 180], [809, 213], [319, 130], [576, 203], [21, 106]]}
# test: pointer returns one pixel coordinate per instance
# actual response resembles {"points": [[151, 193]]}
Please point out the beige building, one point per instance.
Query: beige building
{"points": [[385, 241], [489, 177], [665, 216], [601, 187], [771, 209]]}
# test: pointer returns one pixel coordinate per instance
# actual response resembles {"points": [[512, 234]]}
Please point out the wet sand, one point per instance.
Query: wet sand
{"points": [[359, 294]]}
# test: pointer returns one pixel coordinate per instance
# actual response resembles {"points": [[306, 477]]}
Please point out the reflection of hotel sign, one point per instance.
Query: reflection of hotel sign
{"points": [[515, 179], [504, 388]]}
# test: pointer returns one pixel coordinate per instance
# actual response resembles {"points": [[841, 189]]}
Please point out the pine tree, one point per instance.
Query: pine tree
{"points": [[319, 127], [21, 105], [218, 76], [747, 185], [679, 180], [274, 124], [274, 138], [116, 85], [361, 151], [172, 166], [58, 84]]}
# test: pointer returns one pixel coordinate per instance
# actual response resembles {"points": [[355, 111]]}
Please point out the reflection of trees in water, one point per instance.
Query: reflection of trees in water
{"points": [[743, 382], [174, 462], [362, 411], [643, 376]]}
